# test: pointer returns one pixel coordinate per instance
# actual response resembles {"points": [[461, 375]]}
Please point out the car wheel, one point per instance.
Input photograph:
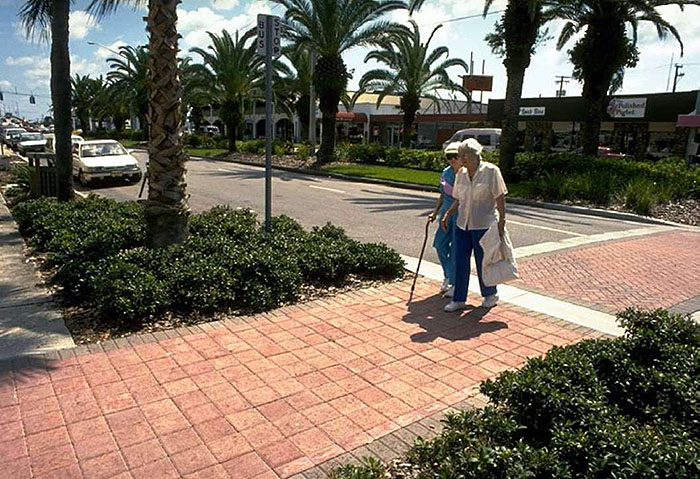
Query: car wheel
{"points": [[83, 179]]}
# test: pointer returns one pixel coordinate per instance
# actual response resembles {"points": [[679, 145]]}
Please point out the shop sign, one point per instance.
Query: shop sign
{"points": [[627, 107], [532, 110], [477, 82]]}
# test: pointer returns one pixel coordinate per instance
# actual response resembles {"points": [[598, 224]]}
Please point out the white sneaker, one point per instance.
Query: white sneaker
{"points": [[490, 301], [453, 306], [450, 292], [445, 285]]}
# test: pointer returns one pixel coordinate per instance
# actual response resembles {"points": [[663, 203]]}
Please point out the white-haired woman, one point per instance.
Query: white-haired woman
{"points": [[479, 192]]}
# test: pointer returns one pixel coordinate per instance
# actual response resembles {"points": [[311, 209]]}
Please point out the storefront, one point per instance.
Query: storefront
{"points": [[645, 126], [691, 123]]}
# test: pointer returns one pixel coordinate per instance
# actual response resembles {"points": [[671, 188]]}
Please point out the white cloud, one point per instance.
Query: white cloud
{"points": [[193, 25], [81, 23], [5, 85], [18, 61], [224, 4]]}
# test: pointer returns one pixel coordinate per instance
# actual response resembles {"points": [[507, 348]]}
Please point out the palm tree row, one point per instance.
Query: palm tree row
{"points": [[599, 57]]}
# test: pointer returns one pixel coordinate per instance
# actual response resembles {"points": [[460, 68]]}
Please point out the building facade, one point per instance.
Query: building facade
{"points": [[643, 125], [365, 121]]}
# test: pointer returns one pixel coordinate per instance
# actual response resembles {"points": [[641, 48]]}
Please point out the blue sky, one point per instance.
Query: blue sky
{"points": [[24, 65]]}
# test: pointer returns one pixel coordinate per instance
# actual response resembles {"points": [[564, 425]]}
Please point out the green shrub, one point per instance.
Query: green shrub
{"points": [[377, 261], [228, 262], [640, 196], [627, 408], [193, 140], [303, 152], [137, 135], [253, 146], [21, 174], [224, 221], [129, 293]]}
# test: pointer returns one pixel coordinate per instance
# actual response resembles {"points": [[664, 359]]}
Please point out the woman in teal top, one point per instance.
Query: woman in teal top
{"points": [[445, 239]]}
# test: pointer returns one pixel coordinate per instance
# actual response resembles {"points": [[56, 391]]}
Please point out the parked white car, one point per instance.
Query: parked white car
{"points": [[490, 138], [31, 143], [51, 139], [99, 159], [9, 133]]}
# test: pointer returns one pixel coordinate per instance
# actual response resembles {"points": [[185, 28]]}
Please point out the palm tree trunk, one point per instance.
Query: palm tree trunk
{"points": [[167, 210], [594, 96], [232, 134], [61, 97], [329, 108], [509, 128], [409, 117]]}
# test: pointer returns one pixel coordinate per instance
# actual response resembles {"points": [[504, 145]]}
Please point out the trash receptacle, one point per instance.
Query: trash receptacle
{"points": [[44, 181]]}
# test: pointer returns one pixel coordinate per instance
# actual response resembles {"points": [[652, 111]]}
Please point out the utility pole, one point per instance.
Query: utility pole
{"points": [[678, 75], [562, 80]]}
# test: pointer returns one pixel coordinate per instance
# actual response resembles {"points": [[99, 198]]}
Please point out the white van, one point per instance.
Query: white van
{"points": [[490, 138], [209, 129]]}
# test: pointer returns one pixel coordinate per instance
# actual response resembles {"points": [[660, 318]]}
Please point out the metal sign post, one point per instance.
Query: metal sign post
{"points": [[269, 44]]}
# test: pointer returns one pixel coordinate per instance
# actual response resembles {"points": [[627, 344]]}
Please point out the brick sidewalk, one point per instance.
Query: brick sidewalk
{"points": [[262, 397], [659, 271]]}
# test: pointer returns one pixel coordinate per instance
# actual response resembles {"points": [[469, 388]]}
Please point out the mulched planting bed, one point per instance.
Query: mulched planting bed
{"points": [[87, 326]]}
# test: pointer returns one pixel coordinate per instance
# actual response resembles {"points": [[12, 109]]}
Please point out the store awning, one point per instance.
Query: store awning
{"points": [[689, 121], [350, 117]]}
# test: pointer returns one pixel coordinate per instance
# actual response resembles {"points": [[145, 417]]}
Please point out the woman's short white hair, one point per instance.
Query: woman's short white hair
{"points": [[470, 145]]}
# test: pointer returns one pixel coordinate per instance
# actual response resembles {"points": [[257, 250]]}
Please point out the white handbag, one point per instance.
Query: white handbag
{"points": [[499, 265]]}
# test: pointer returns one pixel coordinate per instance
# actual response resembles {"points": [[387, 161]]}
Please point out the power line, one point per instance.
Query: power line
{"points": [[459, 19]]}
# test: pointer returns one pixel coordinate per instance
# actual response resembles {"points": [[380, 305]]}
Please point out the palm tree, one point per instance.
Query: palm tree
{"points": [[83, 99], [606, 49], [50, 18], [516, 37], [167, 210], [234, 73], [130, 80], [331, 28], [294, 89], [411, 72]]}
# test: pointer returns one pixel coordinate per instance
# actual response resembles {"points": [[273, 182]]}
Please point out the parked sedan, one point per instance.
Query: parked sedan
{"points": [[9, 131], [51, 139], [100, 159], [31, 142]]}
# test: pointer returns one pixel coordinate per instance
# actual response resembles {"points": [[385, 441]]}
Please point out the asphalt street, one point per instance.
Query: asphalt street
{"points": [[367, 212]]}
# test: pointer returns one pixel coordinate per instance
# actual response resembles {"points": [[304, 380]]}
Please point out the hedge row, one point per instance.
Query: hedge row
{"points": [[627, 408], [256, 147], [96, 248]]}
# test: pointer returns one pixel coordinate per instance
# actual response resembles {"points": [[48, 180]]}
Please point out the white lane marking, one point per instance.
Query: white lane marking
{"points": [[538, 303], [547, 228], [80, 193], [326, 189]]}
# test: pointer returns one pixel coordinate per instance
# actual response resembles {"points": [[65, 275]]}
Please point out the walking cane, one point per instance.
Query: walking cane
{"points": [[143, 183], [420, 259]]}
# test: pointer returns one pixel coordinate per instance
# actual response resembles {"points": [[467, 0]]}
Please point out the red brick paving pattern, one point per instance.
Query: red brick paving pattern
{"points": [[653, 272], [258, 399]]}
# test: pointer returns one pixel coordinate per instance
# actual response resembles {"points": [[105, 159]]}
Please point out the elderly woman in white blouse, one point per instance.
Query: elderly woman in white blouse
{"points": [[479, 192]]}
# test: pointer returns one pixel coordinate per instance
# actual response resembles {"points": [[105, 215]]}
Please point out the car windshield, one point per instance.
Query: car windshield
{"points": [[31, 136], [102, 149]]}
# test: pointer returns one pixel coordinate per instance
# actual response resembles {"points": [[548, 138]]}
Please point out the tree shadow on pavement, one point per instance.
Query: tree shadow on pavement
{"points": [[384, 201], [429, 315], [545, 216], [25, 371]]}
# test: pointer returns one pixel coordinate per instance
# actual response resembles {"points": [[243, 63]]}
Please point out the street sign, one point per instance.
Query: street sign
{"points": [[268, 44], [274, 37]]}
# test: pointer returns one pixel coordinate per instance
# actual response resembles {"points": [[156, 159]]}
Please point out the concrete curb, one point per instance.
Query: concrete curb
{"points": [[582, 210]]}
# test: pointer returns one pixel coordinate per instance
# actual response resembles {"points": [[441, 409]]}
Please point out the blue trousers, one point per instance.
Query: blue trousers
{"points": [[465, 242], [444, 246]]}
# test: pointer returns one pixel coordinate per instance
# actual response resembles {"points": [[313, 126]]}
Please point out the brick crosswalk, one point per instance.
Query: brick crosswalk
{"points": [[652, 272], [263, 397]]}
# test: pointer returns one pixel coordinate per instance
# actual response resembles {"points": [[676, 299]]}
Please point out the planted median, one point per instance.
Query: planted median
{"points": [[94, 250]]}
